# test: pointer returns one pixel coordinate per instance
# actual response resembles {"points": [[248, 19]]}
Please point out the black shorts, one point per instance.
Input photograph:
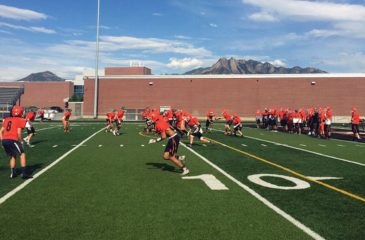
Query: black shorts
{"points": [[355, 128], [197, 134], [12, 148], [30, 130], [208, 122], [229, 122], [172, 145], [238, 127]]}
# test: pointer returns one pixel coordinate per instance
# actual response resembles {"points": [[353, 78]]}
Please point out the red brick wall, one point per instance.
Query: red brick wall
{"points": [[127, 71], [43, 94], [242, 95]]}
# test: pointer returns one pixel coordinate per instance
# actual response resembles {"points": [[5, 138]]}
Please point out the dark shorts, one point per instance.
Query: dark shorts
{"points": [[208, 122], [12, 148], [229, 122], [238, 127], [172, 145], [197, 134], [30, 130], [118, 122], [355, 128]]}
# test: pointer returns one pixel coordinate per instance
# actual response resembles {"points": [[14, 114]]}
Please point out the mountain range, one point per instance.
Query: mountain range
{"points": [[46, 76], [241, 66]]}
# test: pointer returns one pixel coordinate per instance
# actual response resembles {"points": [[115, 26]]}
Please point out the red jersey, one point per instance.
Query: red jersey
{"points": [[41, 112], [120, 114], [67, 115], [11, 126], [193, 121], [110, 115], [236, 120], [161, 126], [30, 116], [328, 115], [226, 116], [355, 118], [210, 115]]}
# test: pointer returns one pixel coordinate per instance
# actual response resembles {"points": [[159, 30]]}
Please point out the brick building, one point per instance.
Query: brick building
{"points": [[136, 88]]}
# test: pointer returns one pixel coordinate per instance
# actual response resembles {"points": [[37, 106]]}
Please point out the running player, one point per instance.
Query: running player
{"points": [[227, 126], [119, 120], [66, 121], [165, 131], [328, 122], [11, 136], [196, 131], [237, 125], [29, 126], [355, 121], [209, 123]]}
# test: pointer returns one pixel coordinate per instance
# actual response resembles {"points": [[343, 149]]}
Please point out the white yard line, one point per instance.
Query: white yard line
{"points": [[301, 149], [288, 217], [28, 181]]}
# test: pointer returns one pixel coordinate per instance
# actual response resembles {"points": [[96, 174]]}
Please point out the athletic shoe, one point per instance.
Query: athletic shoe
{"points": [[26, 140], [185, 172], [13, 175], [189, 145]]}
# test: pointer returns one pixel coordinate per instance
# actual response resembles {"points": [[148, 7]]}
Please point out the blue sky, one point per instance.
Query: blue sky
{"points": [[174, 36]]}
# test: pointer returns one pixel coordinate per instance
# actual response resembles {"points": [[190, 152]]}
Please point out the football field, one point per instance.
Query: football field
{"points": [[93, 185]]}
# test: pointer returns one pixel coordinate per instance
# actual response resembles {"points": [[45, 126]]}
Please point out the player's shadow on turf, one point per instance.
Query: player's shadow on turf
{"points": [[162, 166], [34, 167]]}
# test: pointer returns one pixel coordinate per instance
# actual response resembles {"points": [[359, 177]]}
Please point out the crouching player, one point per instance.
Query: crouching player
{"points": [[119, 120], [11, 136], [209, 123], [237, 125], [227, 126], [195, 131], [165, 131], [66, 121], [110, 117]]}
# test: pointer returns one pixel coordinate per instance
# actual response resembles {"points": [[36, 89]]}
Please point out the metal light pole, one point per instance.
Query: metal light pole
{"points": [[96, 93]]}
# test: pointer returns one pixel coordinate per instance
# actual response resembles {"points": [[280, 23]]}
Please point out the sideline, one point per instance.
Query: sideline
{"points": [[28, 181]]}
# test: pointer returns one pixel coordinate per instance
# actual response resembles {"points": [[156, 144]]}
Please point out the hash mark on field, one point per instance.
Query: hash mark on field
{"points": [[321, 145], [100, 145], [303, 145], [142, 145], [340, 145], [163, 145], [121, 145], [243, 145], [54, 146], [263, 145], [204, 145]]}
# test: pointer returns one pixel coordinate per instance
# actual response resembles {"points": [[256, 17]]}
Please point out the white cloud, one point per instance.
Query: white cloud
{"points": [[341, 61], [157, 14], [213, 25], [20, 14], [262, 17], [29, 29], [182, 37], [278, 63], [184, 63], [311, 10]]}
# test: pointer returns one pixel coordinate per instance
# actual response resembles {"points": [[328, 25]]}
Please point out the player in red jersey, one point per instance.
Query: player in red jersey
{"points": [[110, 117], [118, 120], [195, 131], [41, 114], [29, 126], [210, 119], [237, 125], [328, 122], [321, 122], [227, 126], [165, 131], [258, 118], [169, 116], [11, 136], [355, 121], [66, 121]]}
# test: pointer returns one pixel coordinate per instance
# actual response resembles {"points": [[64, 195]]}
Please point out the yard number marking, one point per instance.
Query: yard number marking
{"points": [[299, 184], [210, 180]]}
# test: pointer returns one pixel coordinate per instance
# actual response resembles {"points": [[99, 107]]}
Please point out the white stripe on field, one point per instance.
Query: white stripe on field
{"points": [[304, 150], [26, 182], [54, 146], [288, 217]]}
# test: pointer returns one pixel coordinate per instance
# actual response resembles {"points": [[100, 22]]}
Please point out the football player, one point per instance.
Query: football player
{"points": [[209, 123], [237, 125], [195, 131], [119, 120], [227, 126], [66, 121], [29, 126], [11, 137], [164, 129], [110, 117]]}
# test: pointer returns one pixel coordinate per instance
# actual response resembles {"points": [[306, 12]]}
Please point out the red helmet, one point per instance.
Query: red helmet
{"points": [[17, 111]]}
